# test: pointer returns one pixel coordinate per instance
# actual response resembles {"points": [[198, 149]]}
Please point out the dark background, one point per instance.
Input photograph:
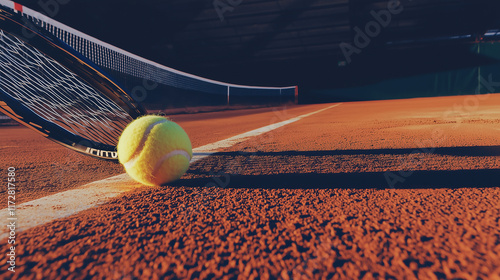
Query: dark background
{"points": [[292, 42]]}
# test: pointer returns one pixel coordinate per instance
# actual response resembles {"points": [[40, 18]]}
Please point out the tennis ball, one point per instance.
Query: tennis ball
{"points": [[154, 150]]}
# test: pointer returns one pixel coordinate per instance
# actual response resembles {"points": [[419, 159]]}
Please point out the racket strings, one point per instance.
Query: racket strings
{"points": [[56, 94]]}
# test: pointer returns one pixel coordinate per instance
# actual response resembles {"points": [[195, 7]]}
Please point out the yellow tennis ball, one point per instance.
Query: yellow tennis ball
{"points": [[154, 150]]}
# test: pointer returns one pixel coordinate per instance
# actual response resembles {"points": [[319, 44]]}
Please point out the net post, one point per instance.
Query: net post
{"points": [[296, 94], [228, 95]]}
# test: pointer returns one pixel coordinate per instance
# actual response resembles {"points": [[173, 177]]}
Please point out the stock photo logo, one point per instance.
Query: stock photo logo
{"points": [[364, 36]]}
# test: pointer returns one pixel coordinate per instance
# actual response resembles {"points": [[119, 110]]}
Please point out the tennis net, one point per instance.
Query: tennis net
{"points": [[152, 83]]}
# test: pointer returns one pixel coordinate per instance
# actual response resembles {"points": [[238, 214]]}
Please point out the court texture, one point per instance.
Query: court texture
{"points": [[394, 179]]}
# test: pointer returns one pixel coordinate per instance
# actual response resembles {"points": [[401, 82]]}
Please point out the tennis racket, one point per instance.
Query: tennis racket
{"points": [[49, 87]]}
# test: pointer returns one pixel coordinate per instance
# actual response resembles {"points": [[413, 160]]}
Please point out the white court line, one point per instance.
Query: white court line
{"points": [[67, 203], [207, 150]]}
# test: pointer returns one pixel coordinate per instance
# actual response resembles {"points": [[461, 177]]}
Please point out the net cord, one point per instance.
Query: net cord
{"points": [[78, 40]]}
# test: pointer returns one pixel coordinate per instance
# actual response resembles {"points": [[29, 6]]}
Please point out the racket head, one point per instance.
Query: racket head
{"points": [[49, 87]]}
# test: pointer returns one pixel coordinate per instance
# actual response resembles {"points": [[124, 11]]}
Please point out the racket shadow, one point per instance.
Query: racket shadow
{"points": [[487, 178], [474, 151], [484, 178]]}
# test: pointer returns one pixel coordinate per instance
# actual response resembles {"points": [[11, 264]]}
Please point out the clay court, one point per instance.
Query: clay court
{"points": [[308, 200], [331, 139]]}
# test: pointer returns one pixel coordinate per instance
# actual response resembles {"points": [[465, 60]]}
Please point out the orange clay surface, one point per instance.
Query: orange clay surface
{"points": [[401, 189]]}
